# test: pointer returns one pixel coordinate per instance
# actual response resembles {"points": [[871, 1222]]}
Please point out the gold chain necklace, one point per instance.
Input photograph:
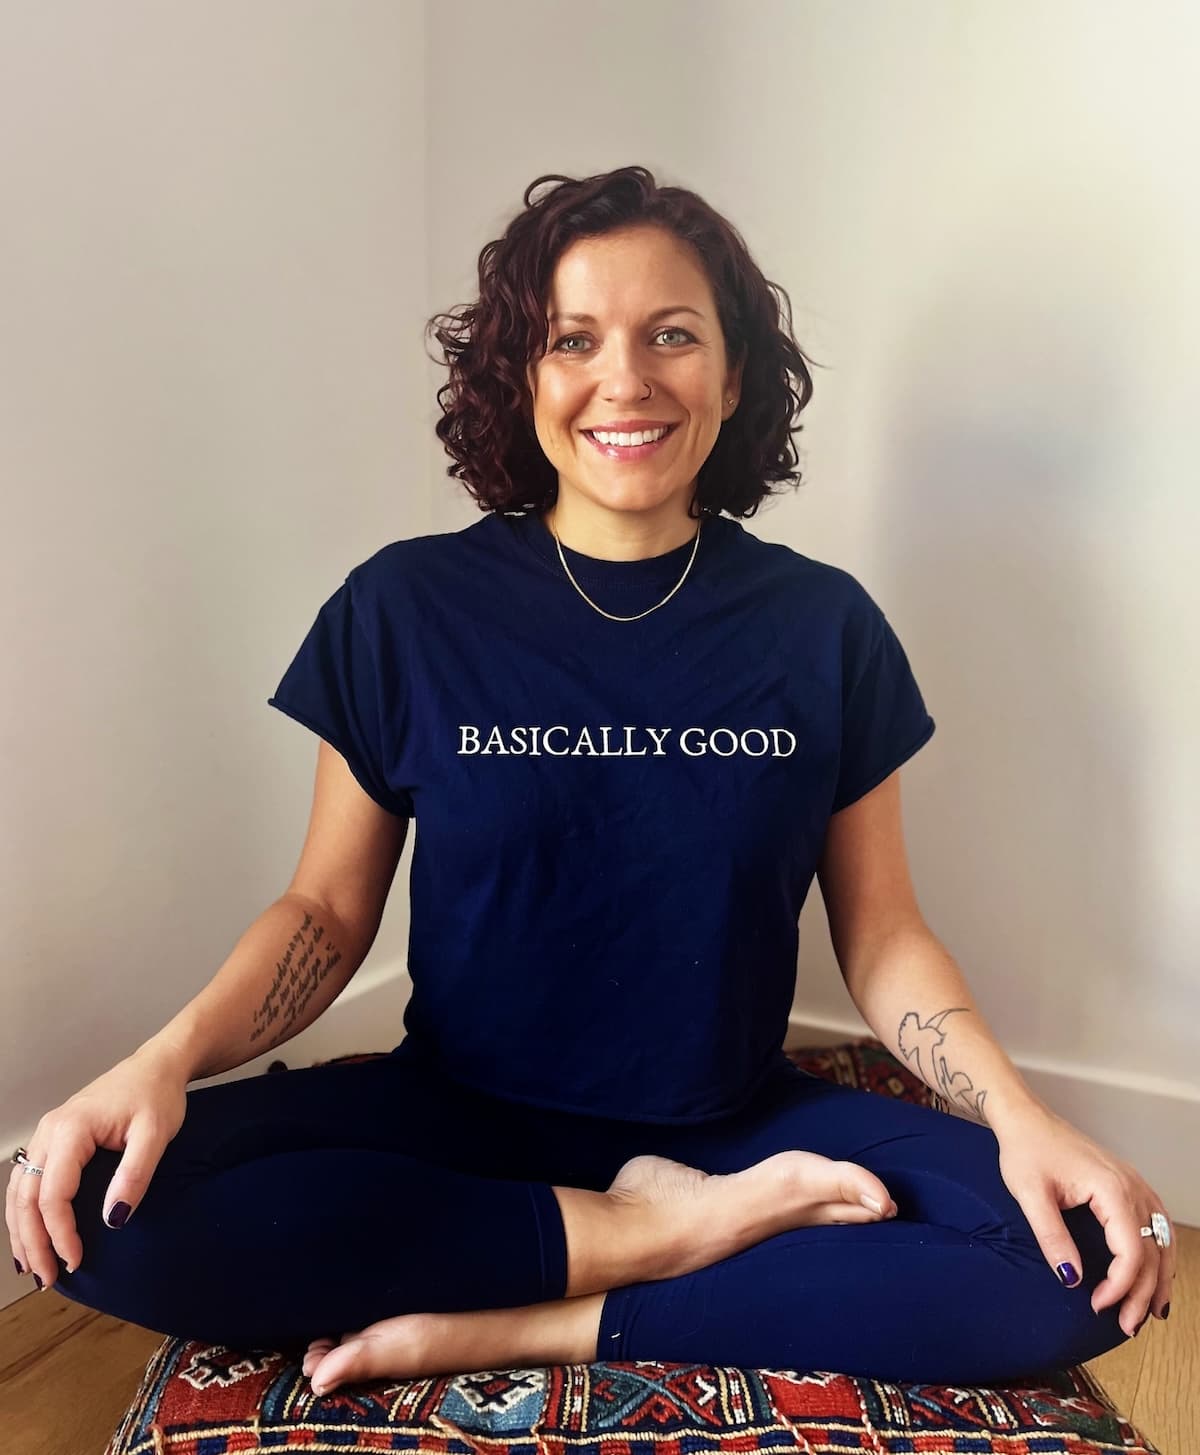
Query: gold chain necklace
{"points": [[649, 609]]}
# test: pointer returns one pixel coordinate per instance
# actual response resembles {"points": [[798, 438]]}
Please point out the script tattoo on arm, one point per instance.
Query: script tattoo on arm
{"points": [[923, 1044], [306, 962]]}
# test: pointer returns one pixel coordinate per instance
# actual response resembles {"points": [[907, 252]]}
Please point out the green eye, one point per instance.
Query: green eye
{"points": [[570, 338]]}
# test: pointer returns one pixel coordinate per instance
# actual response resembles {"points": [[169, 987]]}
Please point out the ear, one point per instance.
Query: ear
{"points": [[733, 380]]}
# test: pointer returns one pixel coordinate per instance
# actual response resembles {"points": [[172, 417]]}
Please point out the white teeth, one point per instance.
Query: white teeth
{"points": [[641, 437]]}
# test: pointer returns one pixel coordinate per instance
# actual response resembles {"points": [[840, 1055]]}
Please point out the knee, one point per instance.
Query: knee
{"points": [[124, 1272], [1067, 1330], [1097, 1257]]}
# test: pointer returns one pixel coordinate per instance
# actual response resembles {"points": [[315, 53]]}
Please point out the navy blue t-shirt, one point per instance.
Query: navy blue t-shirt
{"points": [[617, 822]]}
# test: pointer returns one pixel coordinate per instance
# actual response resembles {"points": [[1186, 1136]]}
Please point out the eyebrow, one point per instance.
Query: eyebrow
{"points": [[587, 317]]}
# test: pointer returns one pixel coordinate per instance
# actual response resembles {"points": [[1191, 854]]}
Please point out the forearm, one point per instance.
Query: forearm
{"points": [[915, 999], [288, 967]]}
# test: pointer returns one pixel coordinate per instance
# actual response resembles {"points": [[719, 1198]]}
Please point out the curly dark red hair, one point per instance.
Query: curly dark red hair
{"points": [[487, 411]]}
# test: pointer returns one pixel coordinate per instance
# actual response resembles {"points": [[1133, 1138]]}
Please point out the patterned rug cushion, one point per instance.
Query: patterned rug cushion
{"points": [[203, 1399]]}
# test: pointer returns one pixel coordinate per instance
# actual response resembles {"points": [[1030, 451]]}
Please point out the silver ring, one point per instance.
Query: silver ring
{"points": [[1159, 1230], [20, 1158]]}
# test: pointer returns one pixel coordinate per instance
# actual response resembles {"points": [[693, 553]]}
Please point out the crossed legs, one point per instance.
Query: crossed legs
{"points": [[301, 1211]]}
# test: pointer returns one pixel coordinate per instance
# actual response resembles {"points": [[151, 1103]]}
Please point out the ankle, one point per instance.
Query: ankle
{"points": [[611, 1241]]}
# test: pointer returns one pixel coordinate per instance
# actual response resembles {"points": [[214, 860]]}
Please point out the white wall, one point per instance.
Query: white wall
{"points": [[212, 405], [225, 225]]}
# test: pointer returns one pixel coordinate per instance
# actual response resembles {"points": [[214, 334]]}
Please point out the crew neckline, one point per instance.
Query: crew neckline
{"points": [[636, 573]]}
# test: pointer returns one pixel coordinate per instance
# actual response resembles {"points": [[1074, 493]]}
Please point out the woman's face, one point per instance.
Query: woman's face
{"points": [[650, 349]]}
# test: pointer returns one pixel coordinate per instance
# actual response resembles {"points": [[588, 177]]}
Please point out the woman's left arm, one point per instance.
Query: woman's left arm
{"points": [[915, 998]]}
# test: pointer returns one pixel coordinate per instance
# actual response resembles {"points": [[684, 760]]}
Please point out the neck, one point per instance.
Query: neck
{"points": [[619, 535]]}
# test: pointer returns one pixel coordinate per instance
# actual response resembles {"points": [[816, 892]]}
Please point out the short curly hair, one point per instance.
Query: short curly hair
{"points": [[487, 412]]}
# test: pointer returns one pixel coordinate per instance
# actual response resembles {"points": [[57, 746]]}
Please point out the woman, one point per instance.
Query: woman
{"points": [[631, 733]]}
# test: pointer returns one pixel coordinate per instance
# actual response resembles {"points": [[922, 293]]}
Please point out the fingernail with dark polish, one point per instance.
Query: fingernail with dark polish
{"points": [[38, 1281], [119, 1214], [17, 1266], [1066, 1272], [1166, 1310]]}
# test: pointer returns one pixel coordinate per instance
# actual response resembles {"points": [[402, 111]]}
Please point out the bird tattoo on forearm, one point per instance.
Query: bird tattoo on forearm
{"points": [[922, 1044]]}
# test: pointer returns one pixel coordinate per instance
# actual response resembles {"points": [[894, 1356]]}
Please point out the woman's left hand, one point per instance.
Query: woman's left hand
{"points": [[1047, 1165]]}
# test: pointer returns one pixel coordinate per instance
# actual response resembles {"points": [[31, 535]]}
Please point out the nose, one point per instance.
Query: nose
{"points": [[628, 370]]}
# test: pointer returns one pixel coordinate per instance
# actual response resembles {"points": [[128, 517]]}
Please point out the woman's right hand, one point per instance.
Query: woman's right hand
{"points": [[135, 1108]]}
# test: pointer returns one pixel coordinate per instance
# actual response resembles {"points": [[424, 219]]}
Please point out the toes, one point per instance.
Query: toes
{"points": [[317, 1350], [838, 1186], [856, 1182], [341, 1365], [393, 1348]]}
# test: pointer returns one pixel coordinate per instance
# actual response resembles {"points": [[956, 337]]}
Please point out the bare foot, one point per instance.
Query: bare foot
{"points": [[705, 1218], [413, 1345]]}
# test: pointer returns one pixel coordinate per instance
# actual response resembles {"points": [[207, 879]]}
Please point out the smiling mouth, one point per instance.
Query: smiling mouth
{"points": [[641, 429], [629, 452]]}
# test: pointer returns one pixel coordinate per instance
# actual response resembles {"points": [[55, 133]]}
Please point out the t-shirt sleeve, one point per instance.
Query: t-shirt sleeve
{"points": [[332, 687], [884, 719]]}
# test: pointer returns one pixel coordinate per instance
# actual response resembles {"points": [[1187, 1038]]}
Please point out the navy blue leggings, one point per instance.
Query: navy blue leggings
{"points": [[313, 1202]]}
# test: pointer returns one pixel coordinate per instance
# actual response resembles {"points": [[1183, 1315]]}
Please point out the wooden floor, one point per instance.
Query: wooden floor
{"points": [[67, 1374]]}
